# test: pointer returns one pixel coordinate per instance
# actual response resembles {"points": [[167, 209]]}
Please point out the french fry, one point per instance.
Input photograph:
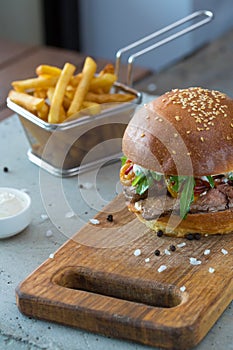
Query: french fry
{"points": [[99, 84], [70, 91], [49, 70], [103, 82], [103, 79], [105, 98], [43, 112], [41, 93], [109, 68], [76, 79], [88, 72], [56, 94], [66, 103], [66, 100], [41, 82], [93, 107], [50, 93], [31, 103], [59, 92]]}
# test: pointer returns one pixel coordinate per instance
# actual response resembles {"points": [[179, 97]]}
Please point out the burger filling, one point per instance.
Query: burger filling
{"points": [[153, 194]]}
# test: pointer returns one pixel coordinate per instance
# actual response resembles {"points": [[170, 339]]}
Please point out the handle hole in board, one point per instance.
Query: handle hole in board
{"points": [[115, 286]]}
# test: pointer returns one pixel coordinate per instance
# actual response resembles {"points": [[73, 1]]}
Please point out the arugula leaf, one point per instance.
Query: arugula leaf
{"points": [[187, 196], [145, 180], [230, 175], [123, 160], [184, 185], [211, 181], [137, 179], [142, 185]]}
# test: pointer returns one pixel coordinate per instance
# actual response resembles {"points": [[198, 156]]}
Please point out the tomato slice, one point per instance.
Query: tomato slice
{"points": [[201, 186]]}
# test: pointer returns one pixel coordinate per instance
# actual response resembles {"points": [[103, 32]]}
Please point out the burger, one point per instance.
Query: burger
{"points": [[177, 167]]}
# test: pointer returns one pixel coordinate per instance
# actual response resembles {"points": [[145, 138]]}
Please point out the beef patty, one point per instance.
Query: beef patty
{"points": [[153, 204]]}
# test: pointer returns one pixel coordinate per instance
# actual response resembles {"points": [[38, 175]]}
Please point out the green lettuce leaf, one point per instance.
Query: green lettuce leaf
{"points": [[123, 160], [184, 186]]}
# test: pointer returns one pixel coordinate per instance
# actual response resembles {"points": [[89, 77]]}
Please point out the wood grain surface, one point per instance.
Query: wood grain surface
{"points": [[95, 282]]}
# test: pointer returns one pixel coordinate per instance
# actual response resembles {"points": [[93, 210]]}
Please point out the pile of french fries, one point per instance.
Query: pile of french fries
{"points": [[55, 94]]}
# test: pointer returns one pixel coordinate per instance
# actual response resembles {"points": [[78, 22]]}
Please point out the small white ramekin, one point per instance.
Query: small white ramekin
{"points": [[16, 223]]}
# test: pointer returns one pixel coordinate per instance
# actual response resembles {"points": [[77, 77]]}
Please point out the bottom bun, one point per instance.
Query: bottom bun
{"points": [[205, 223]]}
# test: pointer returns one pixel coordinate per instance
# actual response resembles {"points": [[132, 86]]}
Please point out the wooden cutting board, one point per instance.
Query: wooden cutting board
{"points": [[95, 282]]}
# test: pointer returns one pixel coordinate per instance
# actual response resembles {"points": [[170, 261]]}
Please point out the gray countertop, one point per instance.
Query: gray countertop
{"points": [[21, 254]]}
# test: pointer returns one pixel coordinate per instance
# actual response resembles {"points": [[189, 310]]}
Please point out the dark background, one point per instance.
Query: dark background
{"points": [[59, 19]]}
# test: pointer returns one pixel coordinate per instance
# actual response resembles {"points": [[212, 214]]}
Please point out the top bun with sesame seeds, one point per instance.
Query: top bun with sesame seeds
{"points": [[179, 162], [183, 123]]}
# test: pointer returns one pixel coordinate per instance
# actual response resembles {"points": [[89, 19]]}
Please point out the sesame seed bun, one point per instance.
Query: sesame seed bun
{"points": [[184, 132]]}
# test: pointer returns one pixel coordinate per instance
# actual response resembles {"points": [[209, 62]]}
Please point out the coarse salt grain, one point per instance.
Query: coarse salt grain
{"points": [[181, 245], [137, 252], [211, 270], [207, 252], [69, 214], [183, 289], [162, 268], [94, 221], [49, 233], [147, 260], [224, 251], [44, 216], [51, 256], [194, 261], [166, 251]]}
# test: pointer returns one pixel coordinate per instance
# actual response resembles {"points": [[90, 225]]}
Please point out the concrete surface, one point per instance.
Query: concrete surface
{"points": [[21, 254]]}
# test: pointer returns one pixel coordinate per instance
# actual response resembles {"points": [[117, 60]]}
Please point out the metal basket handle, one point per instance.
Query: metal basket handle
{"points": [[208, 17]]}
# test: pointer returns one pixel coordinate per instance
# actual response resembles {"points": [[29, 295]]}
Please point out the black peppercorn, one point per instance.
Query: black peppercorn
{"points": [[190, 236], [157, 252], [5, 169], [197, 236], [172, 248], [110, 218], [159, 233]]}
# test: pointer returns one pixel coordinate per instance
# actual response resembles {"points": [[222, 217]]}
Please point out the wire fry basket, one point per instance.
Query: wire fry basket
{"points": [[204, 16]]}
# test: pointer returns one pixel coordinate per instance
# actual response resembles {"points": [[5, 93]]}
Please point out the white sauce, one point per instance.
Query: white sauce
{"points": [[10, 204]]}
